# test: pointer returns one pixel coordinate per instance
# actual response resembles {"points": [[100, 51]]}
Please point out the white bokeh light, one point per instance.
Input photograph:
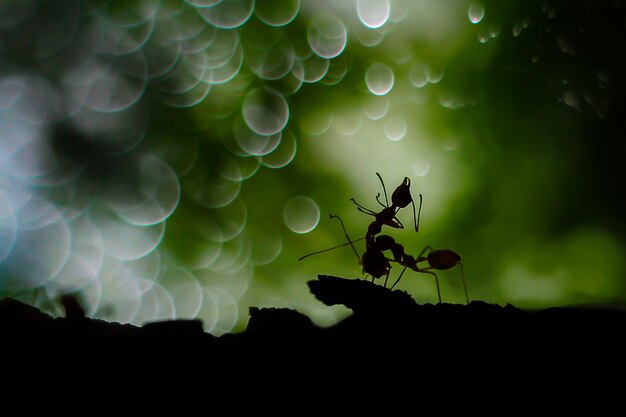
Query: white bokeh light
{"points": [[379, 79], [301, 214], [373, 13], [265, 111], [476, 12], [327, 35], [395, 128]]}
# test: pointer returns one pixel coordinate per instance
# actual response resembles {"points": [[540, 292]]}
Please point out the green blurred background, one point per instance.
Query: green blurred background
{"points": [[167, 159]]}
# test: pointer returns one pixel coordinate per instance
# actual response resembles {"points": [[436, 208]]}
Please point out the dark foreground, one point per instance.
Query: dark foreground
{"points": [[391, 357]]}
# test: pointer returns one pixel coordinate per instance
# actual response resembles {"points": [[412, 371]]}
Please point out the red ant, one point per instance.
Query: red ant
{"points": [[440, 259]]}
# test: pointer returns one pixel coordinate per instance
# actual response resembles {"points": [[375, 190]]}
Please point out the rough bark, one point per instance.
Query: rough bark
{"points": [[391, 357]]}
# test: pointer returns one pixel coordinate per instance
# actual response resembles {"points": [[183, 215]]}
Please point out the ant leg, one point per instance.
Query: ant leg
{"points": [[363, 209], [380, 202], [400, 225], [416, 220], [345, 232], [426, 271], [420, 257], [366, 212], [399, 276], [387, 275], [464, 284], [384, 189]]}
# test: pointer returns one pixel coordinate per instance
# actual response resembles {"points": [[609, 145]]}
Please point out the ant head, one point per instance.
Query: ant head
{"points": [[401, 196]]}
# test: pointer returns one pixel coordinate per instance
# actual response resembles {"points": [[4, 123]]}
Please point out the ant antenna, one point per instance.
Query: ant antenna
{"points": [[419, 212], [378, 199], [329, 249], [384, 190], [345, 232], [362, 208]]}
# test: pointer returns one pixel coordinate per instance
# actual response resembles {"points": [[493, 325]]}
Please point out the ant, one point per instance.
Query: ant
{"points": [[373, 260], [440, 259], [400, 198]]}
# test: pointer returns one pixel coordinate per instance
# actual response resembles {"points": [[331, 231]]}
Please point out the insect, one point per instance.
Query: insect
{"points": [[385, 242], [373, 259], [440, 259], [400, 198]]}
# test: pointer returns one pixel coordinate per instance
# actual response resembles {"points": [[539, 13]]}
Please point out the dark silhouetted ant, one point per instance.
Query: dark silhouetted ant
{"points": [[400, 198], [373, 260], [440, 259]]}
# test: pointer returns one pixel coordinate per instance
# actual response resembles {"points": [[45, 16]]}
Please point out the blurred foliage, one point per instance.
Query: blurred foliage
{"points": [[233, 125]]}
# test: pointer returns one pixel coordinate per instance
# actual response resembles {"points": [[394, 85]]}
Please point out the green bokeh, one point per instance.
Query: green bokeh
{"points": [[516, 145]]}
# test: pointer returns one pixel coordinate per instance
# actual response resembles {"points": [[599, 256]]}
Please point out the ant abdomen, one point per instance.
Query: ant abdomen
{"points": [[443, 259], [375, 263]]}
